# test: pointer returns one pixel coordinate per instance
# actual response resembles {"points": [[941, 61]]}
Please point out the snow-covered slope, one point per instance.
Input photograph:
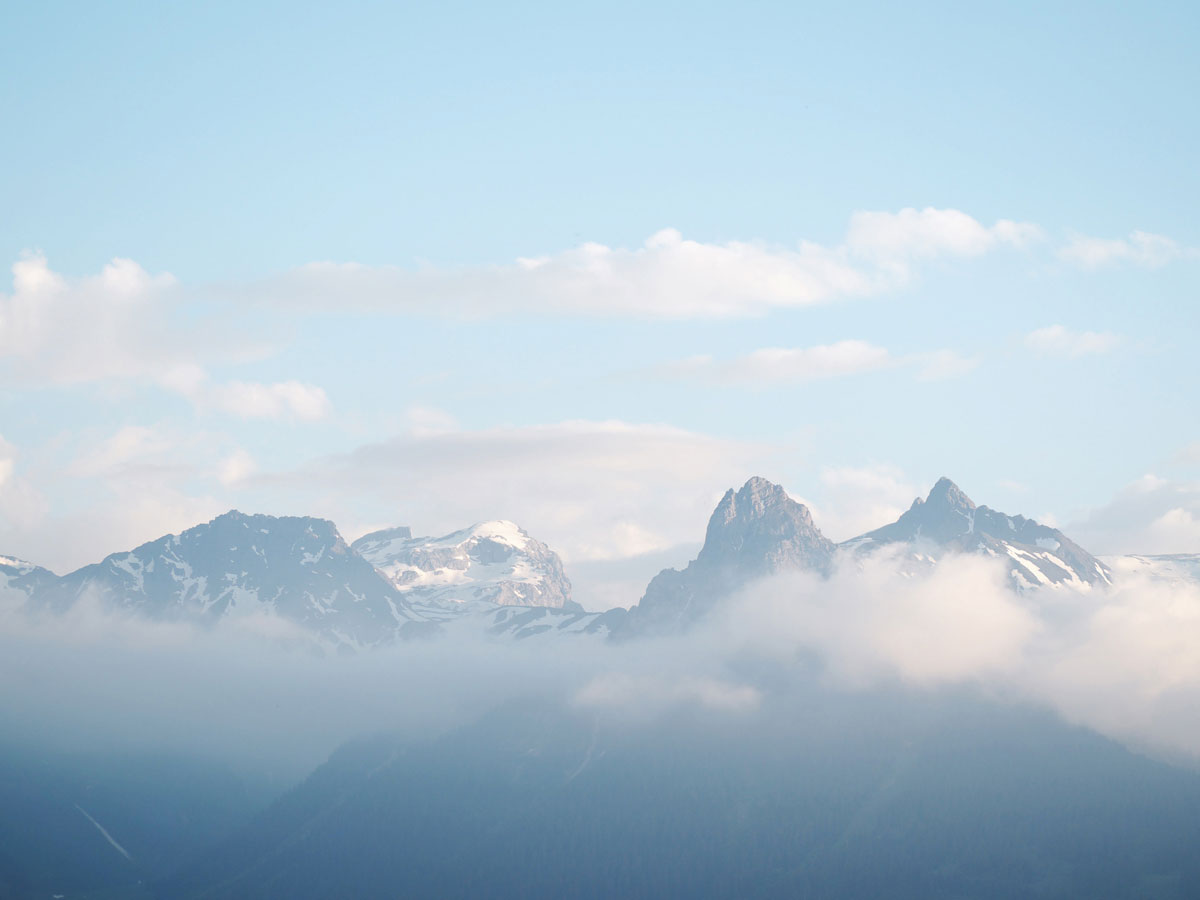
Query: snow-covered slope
{"points": [[297, 568], [947, 520], [495, 563]]}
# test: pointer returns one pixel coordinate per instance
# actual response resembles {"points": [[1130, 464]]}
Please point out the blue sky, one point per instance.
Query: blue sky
{"points": [[851, 248]]}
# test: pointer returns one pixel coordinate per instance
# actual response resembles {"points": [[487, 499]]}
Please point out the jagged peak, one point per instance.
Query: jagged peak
{"points": [[758, 504], [754, 499], [946, 493]]}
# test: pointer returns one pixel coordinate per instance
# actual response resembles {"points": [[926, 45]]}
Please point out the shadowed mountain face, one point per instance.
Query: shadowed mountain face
{"points": [[947, 520], [756, 531], [889, 795]]}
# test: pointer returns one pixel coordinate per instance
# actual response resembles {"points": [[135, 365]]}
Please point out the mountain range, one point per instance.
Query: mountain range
{"points": [[494, 578]]}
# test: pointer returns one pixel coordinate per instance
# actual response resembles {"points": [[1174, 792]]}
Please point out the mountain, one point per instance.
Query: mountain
{"points": [[20, 580], [491, 579], [829, 795], [100, 824], [493, 562], [947, 520], [756, 531], [298, 568]]}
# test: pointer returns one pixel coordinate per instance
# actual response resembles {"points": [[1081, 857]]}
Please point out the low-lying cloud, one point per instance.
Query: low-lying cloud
{"points": [[1121, 660]]}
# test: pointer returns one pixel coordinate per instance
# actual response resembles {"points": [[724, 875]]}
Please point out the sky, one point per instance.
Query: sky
{"points": [[587, 268]]}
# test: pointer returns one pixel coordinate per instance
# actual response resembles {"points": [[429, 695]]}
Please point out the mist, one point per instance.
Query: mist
{"points": [[254, 691]]}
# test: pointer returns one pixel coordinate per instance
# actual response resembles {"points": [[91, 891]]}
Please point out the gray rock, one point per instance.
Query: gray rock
{"points": [[756, 531]]}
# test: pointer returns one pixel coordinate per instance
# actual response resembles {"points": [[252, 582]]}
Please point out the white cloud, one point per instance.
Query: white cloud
{"points": [[668, 276], [1151, 515], [236, 468], [591, 490], [1140, 248], [1120, 659], [128, 324], [782, 365], [1056, 340], [249, 399], [113, 325], [807, 363], [283, 399], [894, 239], [855, 500], [8, 462]]}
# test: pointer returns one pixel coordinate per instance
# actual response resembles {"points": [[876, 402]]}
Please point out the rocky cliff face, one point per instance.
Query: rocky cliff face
{"points": [[756, 531]]}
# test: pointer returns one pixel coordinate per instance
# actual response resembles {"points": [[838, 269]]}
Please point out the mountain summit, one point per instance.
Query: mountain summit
{"points": [[756, 531], [494, 562], [947, 519], [298, 568]]}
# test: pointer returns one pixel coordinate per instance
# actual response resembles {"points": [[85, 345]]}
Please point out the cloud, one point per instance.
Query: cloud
{"points": [[896, 239], [236, 468], [791, 365], [1120, 659], [854, 500], [806, 363], [292, 400], [1141, 248], [283, 399], [126, 324], [875, 620], [117, 324], [592, 490], [1151, 515], [113, 491], [668, 276], [1055, 340]]}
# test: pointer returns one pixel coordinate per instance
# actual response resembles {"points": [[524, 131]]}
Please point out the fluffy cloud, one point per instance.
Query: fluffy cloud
{"points": [[874, 620], [668, 276], [115, 324], [893, 240], [1140, 248], [1120, 659], [128, 324], [783, 365], [1151, 515], [1056, 340]]}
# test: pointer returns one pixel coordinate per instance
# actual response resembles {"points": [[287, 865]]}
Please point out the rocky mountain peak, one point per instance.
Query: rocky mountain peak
{"points": [[948, 520], [747, 524], [755, 531], [947, 495]]}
